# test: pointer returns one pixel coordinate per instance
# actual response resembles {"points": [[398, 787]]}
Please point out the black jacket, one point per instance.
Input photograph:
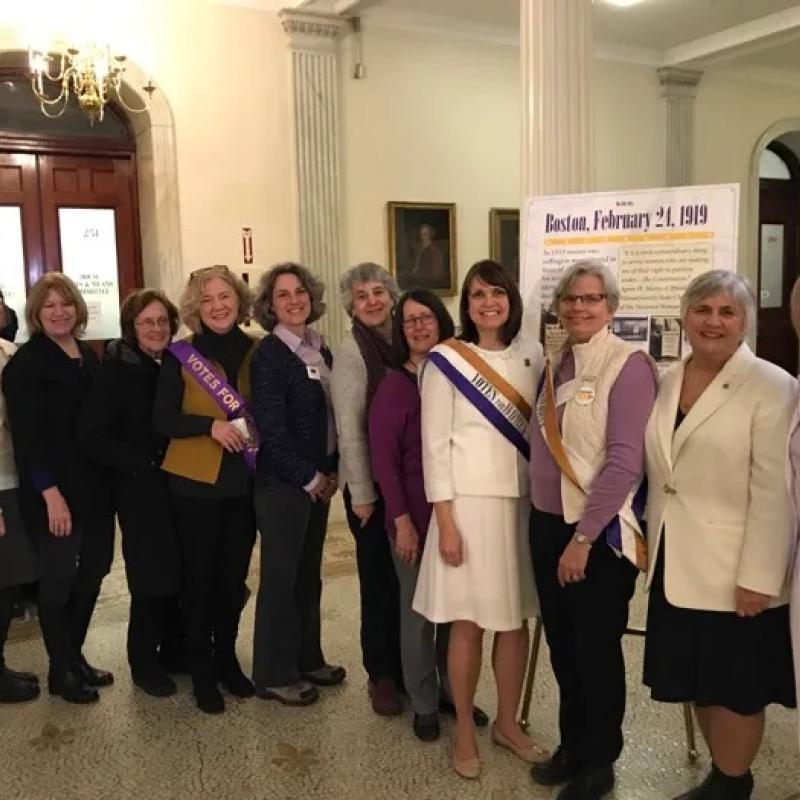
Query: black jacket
{"points": [[115, 427], [9, 330], [291, 415], [45, 390]]}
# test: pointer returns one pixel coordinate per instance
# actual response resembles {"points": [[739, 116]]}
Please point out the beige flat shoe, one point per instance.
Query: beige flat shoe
{"points": [[532, 753], [469, 768]]}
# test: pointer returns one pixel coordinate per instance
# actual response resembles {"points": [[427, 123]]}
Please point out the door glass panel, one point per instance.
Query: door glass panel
{"points": [[773, 166], [12, 274], [771, 271], [89, 256]]}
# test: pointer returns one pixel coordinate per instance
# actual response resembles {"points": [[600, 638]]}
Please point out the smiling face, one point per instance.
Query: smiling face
{"points": [[420, 327], [152, 328], [219, 305], [715, 326], [57, 315], [488, 306], [291, 303], [371, 303], [583, 310]]}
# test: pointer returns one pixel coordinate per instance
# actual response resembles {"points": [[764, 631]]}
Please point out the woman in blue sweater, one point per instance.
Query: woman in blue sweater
{"points": [[295, 480]]}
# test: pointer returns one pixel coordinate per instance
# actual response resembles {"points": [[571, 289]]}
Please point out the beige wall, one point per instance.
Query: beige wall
{"points": [[731, 115], [226, 80], [436, 119]]}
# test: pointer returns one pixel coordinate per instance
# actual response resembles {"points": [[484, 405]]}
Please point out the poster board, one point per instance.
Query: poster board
{"points": [[12, 259], [89, 256], [654, 240]]}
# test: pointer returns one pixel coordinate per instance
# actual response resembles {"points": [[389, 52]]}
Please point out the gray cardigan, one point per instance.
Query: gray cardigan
{"points": [[349, 396]]}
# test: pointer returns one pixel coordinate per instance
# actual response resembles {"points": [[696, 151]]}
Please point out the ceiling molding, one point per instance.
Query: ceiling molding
{"points": [[770, 75], [440, 25], [627, 54], [749, 36]]}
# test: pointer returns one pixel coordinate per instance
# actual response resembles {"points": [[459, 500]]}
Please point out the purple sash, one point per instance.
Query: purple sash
{"points": [[482, 403], [228, 400]]}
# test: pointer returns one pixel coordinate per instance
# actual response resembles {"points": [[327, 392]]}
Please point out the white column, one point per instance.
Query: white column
{"points": [[678, 87], [314, 103], [556, 50]]}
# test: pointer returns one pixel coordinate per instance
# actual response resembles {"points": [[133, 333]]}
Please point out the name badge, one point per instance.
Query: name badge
{"points": [[313, 373], [585, 394]]}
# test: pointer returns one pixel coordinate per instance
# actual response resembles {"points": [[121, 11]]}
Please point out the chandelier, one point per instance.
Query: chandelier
{"points": [[90, 73]]}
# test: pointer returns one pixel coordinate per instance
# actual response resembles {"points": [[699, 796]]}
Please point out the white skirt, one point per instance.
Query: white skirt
{"points": [[494, 585]]}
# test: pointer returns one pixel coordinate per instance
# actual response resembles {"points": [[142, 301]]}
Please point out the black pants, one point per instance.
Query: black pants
{"points": [[153, 627], [584, 623], [216, 540], [380, 595], [72, 571], [9, 595], [286, 640]]}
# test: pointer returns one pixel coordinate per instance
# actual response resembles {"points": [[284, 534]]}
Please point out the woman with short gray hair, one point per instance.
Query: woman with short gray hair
{"points": [[720, 533], [360, 362], [586, 469]]}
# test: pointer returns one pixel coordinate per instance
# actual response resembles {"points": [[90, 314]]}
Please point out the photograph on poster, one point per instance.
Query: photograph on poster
{"points": [[631, 329], [504, 239], [665, 338], [422, 245]]}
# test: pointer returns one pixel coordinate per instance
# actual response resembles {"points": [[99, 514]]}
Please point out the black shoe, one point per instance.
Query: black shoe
{"points": [[479, 716], [90, 675], [26, 677], [426, 727], [154, 681], [16, 690], [590, 784], [326, 675], [71, 687], [559, 768], [719, 786], [234, 680], [208, 697]]}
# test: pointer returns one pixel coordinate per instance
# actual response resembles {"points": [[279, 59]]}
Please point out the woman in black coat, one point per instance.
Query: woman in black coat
{"points": [[64, 500], [116, 431]]}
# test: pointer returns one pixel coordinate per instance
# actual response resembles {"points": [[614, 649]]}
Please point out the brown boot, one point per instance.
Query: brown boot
{"points": [[386, 700]]}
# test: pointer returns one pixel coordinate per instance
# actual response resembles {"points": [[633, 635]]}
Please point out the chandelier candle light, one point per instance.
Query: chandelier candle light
{"points": [[89, 72]]}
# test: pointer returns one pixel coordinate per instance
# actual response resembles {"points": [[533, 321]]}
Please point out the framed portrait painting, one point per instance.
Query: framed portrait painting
{"points": [[504, 239], [422, 245]]}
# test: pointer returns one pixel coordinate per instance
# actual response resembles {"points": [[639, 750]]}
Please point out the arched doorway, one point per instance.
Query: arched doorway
{"points": [[152, 136], [68, 196], [778, 249]]}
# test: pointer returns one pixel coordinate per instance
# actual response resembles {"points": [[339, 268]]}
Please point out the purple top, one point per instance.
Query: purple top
{"points": [[395, 445], [629, 405]]}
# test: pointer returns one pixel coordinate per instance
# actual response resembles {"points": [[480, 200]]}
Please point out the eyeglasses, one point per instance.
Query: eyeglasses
{"points": [[424, 320], [590, 299], [222, 267], [149, 322]]}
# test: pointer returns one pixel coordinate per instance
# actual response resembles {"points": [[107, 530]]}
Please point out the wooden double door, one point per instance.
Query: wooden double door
{"points": [[78, 214]]}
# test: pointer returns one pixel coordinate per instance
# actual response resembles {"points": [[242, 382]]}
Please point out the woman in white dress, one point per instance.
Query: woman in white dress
{"points": [[476, 569]]}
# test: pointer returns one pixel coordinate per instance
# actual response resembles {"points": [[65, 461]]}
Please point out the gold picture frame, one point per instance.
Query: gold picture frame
{"points": [[422, 245], [504, 239]]}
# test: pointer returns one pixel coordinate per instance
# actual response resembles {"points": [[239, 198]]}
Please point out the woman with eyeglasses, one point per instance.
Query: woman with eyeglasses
{"points": [[116, 430], [202, 407], [420, 322], [586, 469]]}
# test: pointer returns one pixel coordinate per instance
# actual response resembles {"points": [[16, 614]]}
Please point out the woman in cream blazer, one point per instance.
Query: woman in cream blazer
{"points": [[793, 482], [720, 533]]}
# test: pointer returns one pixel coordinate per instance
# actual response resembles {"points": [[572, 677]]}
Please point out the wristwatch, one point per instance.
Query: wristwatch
{"points": [[581, 539]]}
